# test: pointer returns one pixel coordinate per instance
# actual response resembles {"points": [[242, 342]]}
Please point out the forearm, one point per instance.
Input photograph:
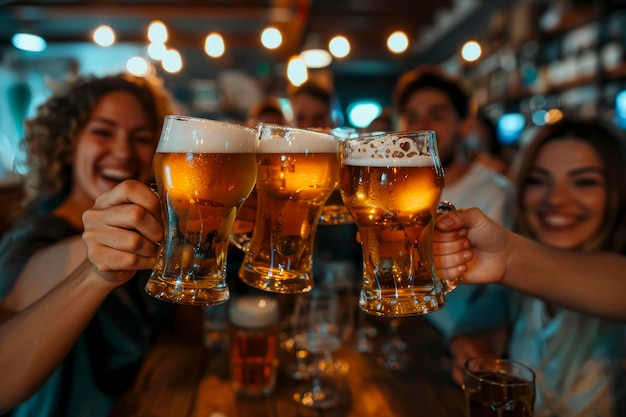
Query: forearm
{"points": [[590, 282], [33, 342]]}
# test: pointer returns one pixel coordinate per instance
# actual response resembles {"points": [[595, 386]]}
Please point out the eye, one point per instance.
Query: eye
{"points": [[588, 182], [535, 180], [101, 132]]}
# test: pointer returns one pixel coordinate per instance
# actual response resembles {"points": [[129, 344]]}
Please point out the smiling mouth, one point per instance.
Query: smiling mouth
{"points": [[117, 175], [558, 221]]}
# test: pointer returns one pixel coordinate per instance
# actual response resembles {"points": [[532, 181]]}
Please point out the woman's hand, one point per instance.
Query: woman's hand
{"points": [[123, 230]]}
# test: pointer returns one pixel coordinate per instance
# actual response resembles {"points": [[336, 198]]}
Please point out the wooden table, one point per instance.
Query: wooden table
{"points": [[186, 379]]}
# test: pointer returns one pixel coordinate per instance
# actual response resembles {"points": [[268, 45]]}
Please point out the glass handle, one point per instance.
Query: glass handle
{"points": [[446, 207]]}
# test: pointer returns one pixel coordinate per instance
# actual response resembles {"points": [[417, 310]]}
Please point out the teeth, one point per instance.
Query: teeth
{"points": [[117, 174], [559, 221]]}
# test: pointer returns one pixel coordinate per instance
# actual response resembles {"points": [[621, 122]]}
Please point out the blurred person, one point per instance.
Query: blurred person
{"points": [[428, 99], [72, 337], [312, 106], [568, 199], [267, 110], [481, 144]]}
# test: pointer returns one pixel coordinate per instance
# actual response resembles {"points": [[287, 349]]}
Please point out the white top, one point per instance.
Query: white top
{"points": [[574, 356]]}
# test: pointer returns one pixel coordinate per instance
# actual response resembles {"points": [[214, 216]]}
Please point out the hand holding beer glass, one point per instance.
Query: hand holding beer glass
{"points": [[297, 171], [391, 184], [204, 171]]}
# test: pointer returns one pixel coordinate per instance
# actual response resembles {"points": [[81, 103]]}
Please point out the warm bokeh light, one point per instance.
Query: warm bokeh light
{"points": [[271, 38], [156, 51], [471, 51], [397, 42], [172, 61], [214, 45], [297, 73], [157, 32], [316, 58], [104, 35], [553, 116], [29, 42], [138, 66], [339, 46]]}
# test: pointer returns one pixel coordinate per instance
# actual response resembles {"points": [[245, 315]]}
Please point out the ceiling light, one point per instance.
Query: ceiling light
{"points": [[156, 51], [397, 42], [137, 66], [313, 55], [29, 42], [297, 73], [104, 35], [471, 51], [172, 61], [339, 46], [214, 45], [271, 38], [157, 32]]}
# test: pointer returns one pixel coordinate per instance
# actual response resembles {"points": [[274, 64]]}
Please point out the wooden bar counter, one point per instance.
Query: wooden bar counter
{"points": [[186, 379]]}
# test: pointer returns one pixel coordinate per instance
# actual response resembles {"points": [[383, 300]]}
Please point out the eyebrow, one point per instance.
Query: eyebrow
{"points": [[578, 171], [110, 122]]}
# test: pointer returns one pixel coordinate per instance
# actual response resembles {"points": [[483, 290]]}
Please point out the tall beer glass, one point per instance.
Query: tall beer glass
{"points": [[204, 171], [297, 170], [391, 184]]}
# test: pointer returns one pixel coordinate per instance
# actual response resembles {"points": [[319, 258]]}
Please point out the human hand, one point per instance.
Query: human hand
{"points": [[464, 347], [122, 231], [469, 245]]}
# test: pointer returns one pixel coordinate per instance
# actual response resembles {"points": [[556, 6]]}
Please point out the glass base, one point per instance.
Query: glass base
{"points": [[191, 293], [265, 279], [417, 305]]}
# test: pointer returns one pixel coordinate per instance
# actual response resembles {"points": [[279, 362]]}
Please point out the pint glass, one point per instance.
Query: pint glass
{"points": [[297, 171], [391, 184], [204, 171]]}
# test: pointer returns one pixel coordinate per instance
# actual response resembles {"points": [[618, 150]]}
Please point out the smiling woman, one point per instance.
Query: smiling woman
{"points": [[82, 144], [571, 196]]}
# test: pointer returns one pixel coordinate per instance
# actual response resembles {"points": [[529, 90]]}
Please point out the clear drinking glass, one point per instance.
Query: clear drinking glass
{"points": [[497, 387], [297, 171], [317, 334], [391, 184], [204, 171]]}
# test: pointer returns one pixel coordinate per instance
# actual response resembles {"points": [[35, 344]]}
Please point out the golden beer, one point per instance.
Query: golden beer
{"points": [[292, 188], [391, 185], [254, 344], [200, 192]]}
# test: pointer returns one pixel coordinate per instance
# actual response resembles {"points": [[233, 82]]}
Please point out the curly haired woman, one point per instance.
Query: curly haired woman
{"points": [[71, 339]]}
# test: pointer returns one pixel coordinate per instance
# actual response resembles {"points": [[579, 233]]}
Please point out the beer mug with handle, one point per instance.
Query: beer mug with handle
{"points": [[204, 170], [391, 184], [297, 171]]}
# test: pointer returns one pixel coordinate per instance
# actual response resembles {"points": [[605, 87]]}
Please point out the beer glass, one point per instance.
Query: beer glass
{"points": [[204, 171], [254, 344], [498, 387], [391, 184], [297, 171], [334, 211]]}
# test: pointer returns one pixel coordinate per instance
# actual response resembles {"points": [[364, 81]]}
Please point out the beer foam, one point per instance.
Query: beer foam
{"points": [[391, 150], [253, 312], [280, 139], [183, 134]]}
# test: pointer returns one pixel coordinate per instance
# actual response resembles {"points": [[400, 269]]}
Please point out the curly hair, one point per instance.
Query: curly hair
{"points": [[50, 138]]}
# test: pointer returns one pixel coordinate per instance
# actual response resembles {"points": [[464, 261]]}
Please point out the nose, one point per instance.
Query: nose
{"points": [[122, 146], [557, 194]]}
